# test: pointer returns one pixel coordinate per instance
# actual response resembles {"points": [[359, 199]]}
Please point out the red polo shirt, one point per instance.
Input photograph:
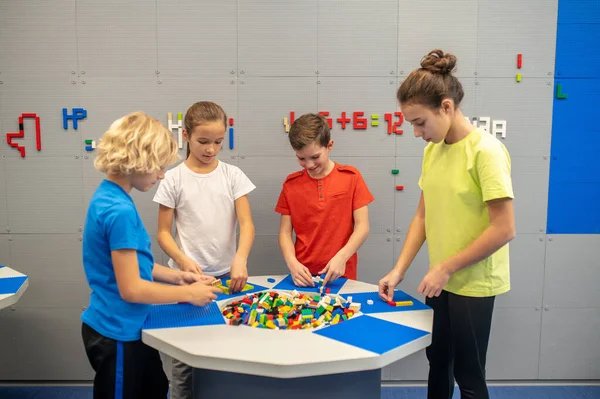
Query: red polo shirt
{"points": [[322, 214]]}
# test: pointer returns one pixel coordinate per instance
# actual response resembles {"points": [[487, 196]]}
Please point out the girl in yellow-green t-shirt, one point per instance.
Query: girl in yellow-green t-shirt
{"points": [[466, 215]]}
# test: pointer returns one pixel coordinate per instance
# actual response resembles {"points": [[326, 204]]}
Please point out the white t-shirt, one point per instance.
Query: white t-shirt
{"points": [[205, 216]]}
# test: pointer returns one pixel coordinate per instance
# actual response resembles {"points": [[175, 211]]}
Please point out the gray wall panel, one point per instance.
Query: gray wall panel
{"points": [[503, 33], [358, 38], [407, 199], [46, 195], [375, 257], [569, 348], [268, 175], [45, 97], [381, 210], [197, 38], [527, 108], [3, 199], [530, 186], [109, 98], [420, 31], [116, 38], [4, 250], [417, 270], [263, 103], [38, 38], [293, 24], [377, 96], [51, 285], [571, 279], [527, 256], [46, 345], [514, 344], [3, 185], [265, 257]]}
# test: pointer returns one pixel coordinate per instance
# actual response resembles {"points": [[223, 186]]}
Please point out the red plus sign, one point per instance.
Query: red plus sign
{"points": [[343, 120]]}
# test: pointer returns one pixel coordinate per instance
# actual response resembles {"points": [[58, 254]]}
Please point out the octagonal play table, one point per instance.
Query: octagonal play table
{"points": [[337, 361], [12, 286]]}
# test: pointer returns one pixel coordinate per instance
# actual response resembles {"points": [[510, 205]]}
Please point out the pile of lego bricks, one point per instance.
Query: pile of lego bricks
{"points": [[275, 310]]}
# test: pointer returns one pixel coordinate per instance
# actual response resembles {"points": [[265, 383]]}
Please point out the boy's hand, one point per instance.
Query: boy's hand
{"points": [[201, 293], [301, 275], [388, 283], [239, 275], [334, 269], [189, 265]]}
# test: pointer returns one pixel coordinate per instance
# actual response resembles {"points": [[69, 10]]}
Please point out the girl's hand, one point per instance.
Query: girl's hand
{"points": [[388, 283], [434, 281], [189, 265]]}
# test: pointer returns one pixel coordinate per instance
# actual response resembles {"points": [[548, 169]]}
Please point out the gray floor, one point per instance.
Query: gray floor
{"points": [[496, 392]]}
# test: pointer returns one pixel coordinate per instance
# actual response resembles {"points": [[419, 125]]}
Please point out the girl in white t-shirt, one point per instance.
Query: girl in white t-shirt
{"points": [[207, 198]]}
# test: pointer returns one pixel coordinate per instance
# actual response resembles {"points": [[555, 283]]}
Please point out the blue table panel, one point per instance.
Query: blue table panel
{"points": [[372, 334], [10, 285], [183, 315]]}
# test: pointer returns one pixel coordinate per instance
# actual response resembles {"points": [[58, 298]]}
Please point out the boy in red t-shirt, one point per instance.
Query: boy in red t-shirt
{"points": [[325, 204]]}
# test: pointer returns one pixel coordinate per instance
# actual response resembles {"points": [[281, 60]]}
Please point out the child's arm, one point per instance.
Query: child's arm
{"points": [[500, 231], [300, 273], [337, 265], [239, 269], [177, 277], [415, 237], [168, 244], [133, 288]]}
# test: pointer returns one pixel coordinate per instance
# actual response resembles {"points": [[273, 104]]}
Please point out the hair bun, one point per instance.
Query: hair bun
{"points": [[438, 62]]}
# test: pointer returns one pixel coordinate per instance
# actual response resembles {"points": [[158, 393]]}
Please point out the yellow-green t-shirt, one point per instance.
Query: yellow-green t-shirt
{"points": [[457, 180]]}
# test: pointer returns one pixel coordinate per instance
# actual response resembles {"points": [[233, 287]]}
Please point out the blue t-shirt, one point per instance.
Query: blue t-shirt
{"points": [[112, 223]]}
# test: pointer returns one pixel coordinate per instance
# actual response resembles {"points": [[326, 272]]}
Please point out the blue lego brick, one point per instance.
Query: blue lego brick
{"points": [[231, 138], [271, 280], [579, 12], [372, 334], [288, 284], [574, 57], [183, 315], [257, 288], [10, 285], [379, 306]]}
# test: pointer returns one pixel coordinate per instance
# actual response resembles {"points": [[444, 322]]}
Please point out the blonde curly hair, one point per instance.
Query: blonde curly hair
{"points": [[135, 143]]}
